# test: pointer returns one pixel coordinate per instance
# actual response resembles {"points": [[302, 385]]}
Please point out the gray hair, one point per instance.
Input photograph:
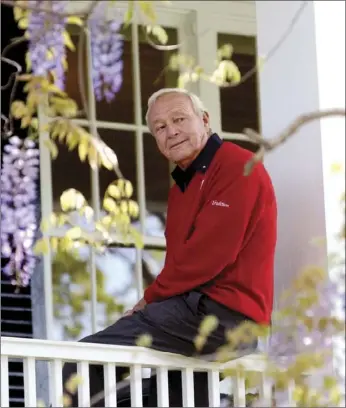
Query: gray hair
{"points": [[197, 104]]}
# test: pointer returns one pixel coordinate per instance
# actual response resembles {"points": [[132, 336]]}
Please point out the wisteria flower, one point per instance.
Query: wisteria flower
{"points": [[19, 209], [107, 50], [46, 42]]}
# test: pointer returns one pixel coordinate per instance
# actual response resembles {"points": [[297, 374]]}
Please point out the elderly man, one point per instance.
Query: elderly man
{"points": [[221, 236]]}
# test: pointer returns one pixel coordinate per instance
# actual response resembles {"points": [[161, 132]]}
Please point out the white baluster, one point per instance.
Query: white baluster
{"points": [[4, 382], [84, 387], [162, 387], [110, 385], [239, 391], [290, 390], [214, 388], [265, 391], [136, 386], [56, 385], [188, 388], [30, 382]]}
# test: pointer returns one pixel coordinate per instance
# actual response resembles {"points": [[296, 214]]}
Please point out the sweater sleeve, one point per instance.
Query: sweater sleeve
{"points": [[219, 232]]}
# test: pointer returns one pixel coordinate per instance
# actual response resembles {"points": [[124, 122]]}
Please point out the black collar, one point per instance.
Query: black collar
{"points": [[200, 164]]}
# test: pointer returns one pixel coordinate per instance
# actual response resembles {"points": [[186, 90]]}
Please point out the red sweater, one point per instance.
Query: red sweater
{"points": [[221, 232]]}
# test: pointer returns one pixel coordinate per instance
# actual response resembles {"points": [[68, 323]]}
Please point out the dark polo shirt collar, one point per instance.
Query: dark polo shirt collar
{"points": [[200, 164]]}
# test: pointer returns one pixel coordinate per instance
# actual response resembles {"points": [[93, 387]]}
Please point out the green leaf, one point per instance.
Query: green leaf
{"points": [[18, 109], [72, 199], [128, 15], [64, 106], [25, 122], [68, 41], [83, 149], [72, 140], [53, 88], [23, 23], [52, 147], [225, 51], [208, 325], [41, 246], [233, 73], [18, 13], [110, 205], [329, 382], [34, 123], [75, 20], [145, 340], [199, 342], [74, 233], [133, 209], [114, 191], [147, 9], [127, 189], [159, 32], [28, 61], [93, 157]]}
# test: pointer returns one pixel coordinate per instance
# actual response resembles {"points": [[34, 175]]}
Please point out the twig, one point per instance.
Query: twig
{"points": [[13, 44], [13, 63], [272, 51], [266, 145], [8, 126]]}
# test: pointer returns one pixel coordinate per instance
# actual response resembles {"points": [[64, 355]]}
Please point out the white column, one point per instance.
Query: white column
{"points": [[330, 48], [289, 86]]}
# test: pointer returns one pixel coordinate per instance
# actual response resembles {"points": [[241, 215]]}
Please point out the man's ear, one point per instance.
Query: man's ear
{"points": [[206, 119]]}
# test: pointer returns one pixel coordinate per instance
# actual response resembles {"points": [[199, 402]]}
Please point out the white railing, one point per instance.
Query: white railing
{"points": [[136, 358]]}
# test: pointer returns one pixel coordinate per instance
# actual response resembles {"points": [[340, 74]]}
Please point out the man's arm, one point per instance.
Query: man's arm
{"points": [[217, 238]]}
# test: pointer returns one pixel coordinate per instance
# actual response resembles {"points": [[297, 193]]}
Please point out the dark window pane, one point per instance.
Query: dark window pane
{"points": [[152, 67], [68, 171], [157, 177], [123, 144], [239, 105], [77, 73]]}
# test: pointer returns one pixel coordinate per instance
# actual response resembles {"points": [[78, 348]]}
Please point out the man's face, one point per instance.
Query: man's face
{"points": [[179, 132]]}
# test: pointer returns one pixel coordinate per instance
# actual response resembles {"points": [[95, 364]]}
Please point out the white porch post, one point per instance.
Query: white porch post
{"points": [[306, 74], [288, 88]]}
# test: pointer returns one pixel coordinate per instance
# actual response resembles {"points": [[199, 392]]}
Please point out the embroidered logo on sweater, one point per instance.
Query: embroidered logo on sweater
{"points": [[219, 203]]}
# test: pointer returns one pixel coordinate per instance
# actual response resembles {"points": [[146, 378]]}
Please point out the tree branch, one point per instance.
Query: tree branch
{"points": [[266, 145]]}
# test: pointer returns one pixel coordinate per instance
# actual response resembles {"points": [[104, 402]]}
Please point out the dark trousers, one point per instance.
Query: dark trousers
{"points": [[173, 325]]}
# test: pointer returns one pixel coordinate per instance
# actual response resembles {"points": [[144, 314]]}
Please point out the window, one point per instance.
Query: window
{"points": [[239, 105], [126, 132]]}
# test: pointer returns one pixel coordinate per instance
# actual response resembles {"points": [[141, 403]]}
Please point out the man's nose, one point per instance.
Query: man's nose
{"points": [[172, 131]]}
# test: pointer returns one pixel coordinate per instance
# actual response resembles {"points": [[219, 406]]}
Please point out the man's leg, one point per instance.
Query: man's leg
{"points": [[172, 324]]}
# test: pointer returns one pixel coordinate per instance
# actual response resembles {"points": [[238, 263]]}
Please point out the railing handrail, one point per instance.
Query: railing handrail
{"points": [[48, 350]]}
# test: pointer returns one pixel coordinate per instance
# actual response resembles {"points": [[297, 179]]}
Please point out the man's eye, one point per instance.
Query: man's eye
{"points": [[180, 119]]}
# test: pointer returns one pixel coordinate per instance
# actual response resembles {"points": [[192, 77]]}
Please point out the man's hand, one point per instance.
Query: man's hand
{"points": [[138, 306]]}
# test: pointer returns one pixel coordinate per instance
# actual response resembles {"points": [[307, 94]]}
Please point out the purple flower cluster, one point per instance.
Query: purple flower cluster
{"points": [[18, 209], [46, 42], [106, 49]]}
